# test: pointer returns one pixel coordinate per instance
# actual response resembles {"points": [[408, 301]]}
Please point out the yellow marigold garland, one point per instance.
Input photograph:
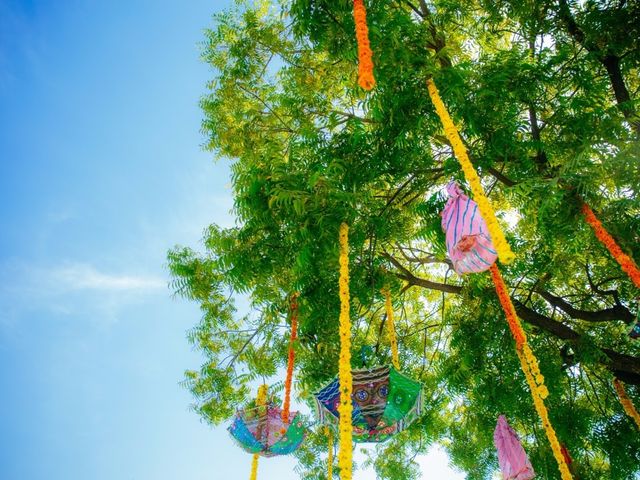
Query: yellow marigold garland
{"points": [[261, 399], [628, 406], [531, 369], [625, 261], [391, 328], [290, 360], [365, 57], [345, 409], [329, 434], [497, 236], [254, 467]]}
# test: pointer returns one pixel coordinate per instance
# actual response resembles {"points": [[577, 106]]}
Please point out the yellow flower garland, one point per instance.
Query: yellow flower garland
{"points": [[531, 369], [393, 340], [345, 409], [330, 457], [497, 236], [629, 408], [261, 399], [254, 467]]}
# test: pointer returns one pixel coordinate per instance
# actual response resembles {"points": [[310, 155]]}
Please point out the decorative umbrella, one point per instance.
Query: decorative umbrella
{"points": [[261, 430], [384, 401], [514, 463], [468, 242]]}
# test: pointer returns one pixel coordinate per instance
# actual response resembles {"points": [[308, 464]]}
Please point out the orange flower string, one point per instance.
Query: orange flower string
{"points": [[629, 408], [391, 328], [531, 370], [345, 408], [625, 261], [291, 359], [486, 210], [365, 56]]}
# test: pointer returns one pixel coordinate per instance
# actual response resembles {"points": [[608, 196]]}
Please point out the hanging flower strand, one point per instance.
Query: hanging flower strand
{"points": [[291, 358], [391, 328], [486, 210], [329, 434], [529, 364], [628, 406], [261, 399], [365, 56], [345, 409], [625, 261]]}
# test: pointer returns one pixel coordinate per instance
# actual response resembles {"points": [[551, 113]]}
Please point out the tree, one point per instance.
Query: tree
{"points": [[545, 94]]}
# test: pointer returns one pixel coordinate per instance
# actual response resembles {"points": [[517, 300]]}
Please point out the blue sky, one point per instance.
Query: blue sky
{"points": [[101, 172]]}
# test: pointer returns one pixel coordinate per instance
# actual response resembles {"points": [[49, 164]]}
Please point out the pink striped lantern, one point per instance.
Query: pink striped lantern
{"points": [[468, 242]]}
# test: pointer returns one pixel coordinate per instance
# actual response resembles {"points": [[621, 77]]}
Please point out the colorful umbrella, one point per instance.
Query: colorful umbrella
{"points": [[513, 460], [468, 242], [262, 431], [385, 402]]}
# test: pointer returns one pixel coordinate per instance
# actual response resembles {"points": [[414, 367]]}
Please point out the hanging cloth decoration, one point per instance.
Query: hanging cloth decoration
{"points": [[393, 340], [497, 236], [365, 56], [625, 261], [258, 428], [628, 406], [468, 244], [290, 359], [514, 463], [384, 403], [529, 364], [344, 406]]}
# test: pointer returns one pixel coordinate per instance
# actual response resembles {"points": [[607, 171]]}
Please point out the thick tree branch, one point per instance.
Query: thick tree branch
{"points": [[619, 312]]}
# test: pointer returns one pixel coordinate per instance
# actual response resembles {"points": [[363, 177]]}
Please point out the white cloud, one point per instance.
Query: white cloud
{"points": [[87, 277]]}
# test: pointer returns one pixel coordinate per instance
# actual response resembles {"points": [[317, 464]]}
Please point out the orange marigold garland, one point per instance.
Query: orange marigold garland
{"points": [[365, 56], [391, 328], [291, 358], [497, 236], [345, 409], [529, 364], [625, 261], [628, 406]]}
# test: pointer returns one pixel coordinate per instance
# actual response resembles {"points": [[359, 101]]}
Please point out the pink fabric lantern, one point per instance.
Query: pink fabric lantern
{"points": [[513, 460], [468, 242]]}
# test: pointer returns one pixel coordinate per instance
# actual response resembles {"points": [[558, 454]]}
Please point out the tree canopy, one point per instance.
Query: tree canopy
{"points": [[545, 95]]}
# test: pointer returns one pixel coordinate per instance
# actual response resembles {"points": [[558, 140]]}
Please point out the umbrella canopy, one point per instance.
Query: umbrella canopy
{"points": [[261, 430], [514, 463], [385, 402], [468, 242]]}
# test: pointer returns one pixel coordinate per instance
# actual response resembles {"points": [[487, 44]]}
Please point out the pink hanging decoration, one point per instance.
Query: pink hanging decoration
{"points": [[514, 463], [468, 242]]}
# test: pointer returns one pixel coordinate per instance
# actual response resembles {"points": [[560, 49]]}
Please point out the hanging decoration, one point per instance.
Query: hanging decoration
{"points": [[393, 340], [628, 406], [329, 433], [514, 463], [625, 261], [468, 244], [291, 358], [529, 364], [365, 57], [384, 403], [258, 428], [486, 210], [345, 408]]}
